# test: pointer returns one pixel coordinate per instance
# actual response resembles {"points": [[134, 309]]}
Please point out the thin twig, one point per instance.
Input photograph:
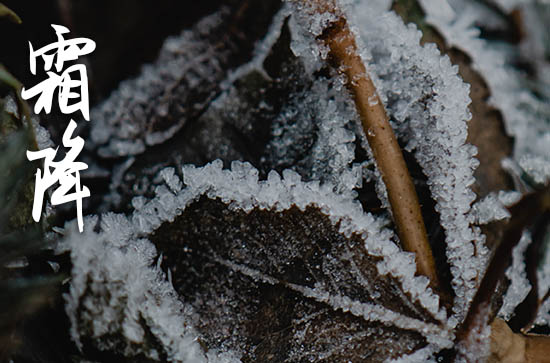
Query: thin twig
{"points": [[9, 14], [526, 312], [386, 151], [523, 214]]}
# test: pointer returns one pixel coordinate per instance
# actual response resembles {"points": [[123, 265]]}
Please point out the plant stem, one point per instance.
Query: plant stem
{"points": [[509, 347], [523, 214], [9, 14], [386, 151]]}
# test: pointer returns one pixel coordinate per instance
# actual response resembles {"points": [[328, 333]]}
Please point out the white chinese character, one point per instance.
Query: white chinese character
{"points": [[61, 51], [66, 172]]}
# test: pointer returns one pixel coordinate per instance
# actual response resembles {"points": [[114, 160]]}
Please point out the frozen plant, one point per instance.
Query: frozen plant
{"points": [[315, 193]]}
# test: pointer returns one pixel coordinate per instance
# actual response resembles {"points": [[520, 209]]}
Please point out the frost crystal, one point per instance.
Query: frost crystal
{"points": [[271, 111], [197, 257], [526, 115], [114, 271], [477, 346], [519, 284], [43, 139], [188, 68], [537, 167], [428, 104], [120, 298], [493, 207], [543, 277]]}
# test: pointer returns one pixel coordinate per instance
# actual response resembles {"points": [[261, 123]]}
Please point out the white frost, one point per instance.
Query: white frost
{"points": [[116, 289], [119, 259], [517, 274], [428, 102], [527, 117]]}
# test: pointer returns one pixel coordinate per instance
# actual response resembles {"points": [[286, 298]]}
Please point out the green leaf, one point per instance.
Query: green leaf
{"points": [[8, 13]]}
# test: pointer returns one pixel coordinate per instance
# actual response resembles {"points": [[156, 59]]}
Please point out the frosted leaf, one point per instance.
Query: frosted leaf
{"points": [[526, 116], [119, 299], [312, 121], [526, 113], [242, 243], [125, 123], [272, 113], [428, 104], [184, 79], [493, 207], [281, 194], [537, 167], [476, 348], [543, 277], [239, 250], [43, 138], [519, 284]]}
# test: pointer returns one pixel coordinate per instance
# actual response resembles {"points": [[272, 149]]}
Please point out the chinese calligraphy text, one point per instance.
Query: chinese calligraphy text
{"points": [[72, 90]]}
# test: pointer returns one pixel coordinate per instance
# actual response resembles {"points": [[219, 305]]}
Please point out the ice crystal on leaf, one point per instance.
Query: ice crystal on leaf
{"points": [[493, 207], [543, 276], [524, 106], [278, 224], [269, 111], [525, 114], [117, 299], [519, 284], [343, 267], [428, 104], [125, 123]]}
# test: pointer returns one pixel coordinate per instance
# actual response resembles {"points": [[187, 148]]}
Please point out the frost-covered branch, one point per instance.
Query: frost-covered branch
{"points": [[387, 153], [523, 213]]}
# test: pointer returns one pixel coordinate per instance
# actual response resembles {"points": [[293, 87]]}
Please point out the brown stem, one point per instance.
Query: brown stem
{"points": [[509, 347], [523, 214], [387, 153]]}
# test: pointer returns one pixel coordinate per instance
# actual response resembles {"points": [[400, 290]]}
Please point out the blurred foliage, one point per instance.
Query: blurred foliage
{"points": [[7, 13], [20, 237]]}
